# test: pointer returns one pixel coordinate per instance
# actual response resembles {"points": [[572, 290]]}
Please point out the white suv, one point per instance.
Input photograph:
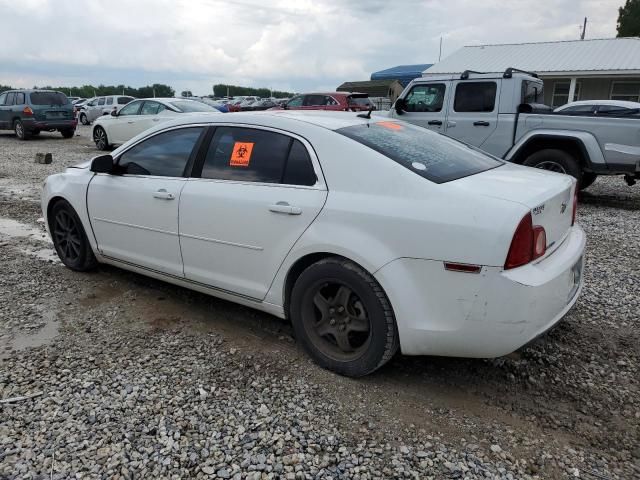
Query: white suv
{"points": [[100, 106]]}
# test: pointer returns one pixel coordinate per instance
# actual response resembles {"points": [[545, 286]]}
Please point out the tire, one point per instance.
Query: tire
{"points": [[587, 180], [556, 161], [100, 138], [83, 119], [21, 133], [342, 318], [68, 133], [35, 132], [70, 239]]}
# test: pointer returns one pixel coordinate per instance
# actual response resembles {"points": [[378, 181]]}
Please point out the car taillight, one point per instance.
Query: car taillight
{"points": [[529, 242], [27, 111], [575, 207]]}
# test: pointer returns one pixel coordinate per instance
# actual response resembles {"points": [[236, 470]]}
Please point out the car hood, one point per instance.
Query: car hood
{"points": [[82, 165]]}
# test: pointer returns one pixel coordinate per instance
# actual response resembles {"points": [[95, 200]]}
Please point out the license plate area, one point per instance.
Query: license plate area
{"points": [[575, 277], [55, 115]]}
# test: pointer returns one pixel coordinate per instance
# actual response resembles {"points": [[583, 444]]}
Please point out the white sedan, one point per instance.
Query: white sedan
{"points": [[137, 116], [369, 235]]}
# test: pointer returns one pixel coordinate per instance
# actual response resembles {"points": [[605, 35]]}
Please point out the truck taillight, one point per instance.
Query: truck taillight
{"points": [[529, 242], [27, 111], [575, 207]]}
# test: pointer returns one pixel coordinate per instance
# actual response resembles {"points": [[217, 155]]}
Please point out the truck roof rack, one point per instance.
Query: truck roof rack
{"points": [[508, 73], [465, 74]]}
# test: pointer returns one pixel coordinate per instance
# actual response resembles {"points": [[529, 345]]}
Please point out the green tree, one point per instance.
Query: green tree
{"points": [[629, 19], [221, 90], [4, 88]]}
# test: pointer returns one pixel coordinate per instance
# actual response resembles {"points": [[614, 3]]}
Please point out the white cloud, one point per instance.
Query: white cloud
{"points": [[294, 44]]}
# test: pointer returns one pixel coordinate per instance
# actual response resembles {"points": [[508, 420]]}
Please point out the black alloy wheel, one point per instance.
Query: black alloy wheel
{"points": [[70, 239]]}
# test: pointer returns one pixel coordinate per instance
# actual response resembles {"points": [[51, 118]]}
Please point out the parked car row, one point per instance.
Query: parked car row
{"points": [[98, 106]]}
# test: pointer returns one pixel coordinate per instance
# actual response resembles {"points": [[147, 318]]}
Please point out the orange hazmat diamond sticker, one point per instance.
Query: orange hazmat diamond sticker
{"points": [[241, 154], [390, 125]]}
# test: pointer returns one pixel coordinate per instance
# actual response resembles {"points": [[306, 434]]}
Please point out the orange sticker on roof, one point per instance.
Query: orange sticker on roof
{"points": [[241, 154], [390, 125]]}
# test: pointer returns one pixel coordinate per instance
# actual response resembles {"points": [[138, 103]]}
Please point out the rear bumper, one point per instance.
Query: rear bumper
{"points": [[483, 315], [33, 124]]}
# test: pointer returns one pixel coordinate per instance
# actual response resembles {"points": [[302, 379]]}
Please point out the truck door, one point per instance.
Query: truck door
{"points": [[426, 105], [473, 110]]}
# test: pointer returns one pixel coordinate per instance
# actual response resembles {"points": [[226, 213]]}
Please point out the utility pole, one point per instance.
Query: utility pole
{"points": [[584, 28], [440, 54]]}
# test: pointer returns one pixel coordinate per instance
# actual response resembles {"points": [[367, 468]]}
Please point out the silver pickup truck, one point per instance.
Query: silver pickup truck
{"points": [[502, 115]]}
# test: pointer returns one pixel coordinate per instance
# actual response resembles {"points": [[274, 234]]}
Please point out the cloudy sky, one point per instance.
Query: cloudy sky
{"points": [[283, 44]]}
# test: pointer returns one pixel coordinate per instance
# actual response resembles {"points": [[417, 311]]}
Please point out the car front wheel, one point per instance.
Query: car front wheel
{"points": [[100, 138], [342, 317], [69, 238], [83, 119]]}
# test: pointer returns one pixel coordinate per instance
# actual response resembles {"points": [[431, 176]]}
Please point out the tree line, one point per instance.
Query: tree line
{"points": [[88, 91], [222, 90]]}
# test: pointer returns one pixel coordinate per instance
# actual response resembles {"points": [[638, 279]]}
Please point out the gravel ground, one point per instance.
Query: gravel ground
{"points": [[134, 378]]}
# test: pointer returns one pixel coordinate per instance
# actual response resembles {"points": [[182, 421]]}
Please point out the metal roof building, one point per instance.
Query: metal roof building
{"points": [[403, 73], [588, 69], [375, 88]]}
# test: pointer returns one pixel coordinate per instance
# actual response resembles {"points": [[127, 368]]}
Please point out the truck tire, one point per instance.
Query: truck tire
{"points": [[555, 160]]}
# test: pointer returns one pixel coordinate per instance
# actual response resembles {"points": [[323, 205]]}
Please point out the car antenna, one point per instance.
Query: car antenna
{"points": [[366, 115]]}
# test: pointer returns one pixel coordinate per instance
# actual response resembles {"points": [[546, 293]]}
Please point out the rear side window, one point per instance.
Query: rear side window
{"points": [[314, 100], [101, 101], [299, 169], [149, 108], [429, 154], [164, 155], [48, 98], [246, 154], [475, 97], [19, 98], [295, 101], [110, 101]]}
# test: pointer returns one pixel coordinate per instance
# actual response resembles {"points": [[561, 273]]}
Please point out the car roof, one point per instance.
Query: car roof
{"points": [[285, 119], [618, 103]]}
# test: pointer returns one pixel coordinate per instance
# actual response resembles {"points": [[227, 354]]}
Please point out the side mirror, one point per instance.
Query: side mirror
{"points": [[114, 113], [102, 164], [400, 105]]}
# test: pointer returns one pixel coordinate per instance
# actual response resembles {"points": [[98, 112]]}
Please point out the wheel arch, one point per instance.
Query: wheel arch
{"points": [[572, 145]]}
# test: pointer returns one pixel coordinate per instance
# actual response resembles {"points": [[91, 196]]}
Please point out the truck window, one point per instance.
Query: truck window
{"points": [[475, 97], [426, 98]]}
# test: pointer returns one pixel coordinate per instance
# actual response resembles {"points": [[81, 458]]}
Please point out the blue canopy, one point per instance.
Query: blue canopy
{"points": [[403, 73]]}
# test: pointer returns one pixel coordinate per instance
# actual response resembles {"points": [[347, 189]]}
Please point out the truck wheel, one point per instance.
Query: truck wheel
{"points": [[555, 160], [587, 179], [342, 318]]}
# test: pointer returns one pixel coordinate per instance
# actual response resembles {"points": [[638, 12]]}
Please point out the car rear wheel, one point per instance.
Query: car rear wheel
{"points": [[70, 239], [21, 133], [555, 160], [100, 138], [83, 119], [68, 133], [342, 317]]}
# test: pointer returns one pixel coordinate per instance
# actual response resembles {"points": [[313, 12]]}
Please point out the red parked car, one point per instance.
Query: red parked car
{"points": [[335, 101]]}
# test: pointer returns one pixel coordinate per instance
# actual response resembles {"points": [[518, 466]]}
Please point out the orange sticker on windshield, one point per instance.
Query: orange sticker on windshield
{"points": [[390, 125], [241, 154]]}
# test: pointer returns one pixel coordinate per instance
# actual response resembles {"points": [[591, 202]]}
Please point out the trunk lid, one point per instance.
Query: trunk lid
{"points": [[50, 106], [549, 196]]}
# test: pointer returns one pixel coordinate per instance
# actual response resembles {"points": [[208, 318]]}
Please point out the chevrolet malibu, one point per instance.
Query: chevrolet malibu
{"points": [[369, 235]]}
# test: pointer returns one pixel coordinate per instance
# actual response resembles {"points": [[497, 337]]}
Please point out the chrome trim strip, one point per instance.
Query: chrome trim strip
{"points": [[224, 242], [134, 226]]}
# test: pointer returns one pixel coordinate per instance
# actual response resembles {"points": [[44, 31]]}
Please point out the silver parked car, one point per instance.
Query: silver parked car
{"points": [[100, 106]]}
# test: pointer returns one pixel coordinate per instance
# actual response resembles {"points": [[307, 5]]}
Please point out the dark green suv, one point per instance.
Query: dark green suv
{"points": [[28, 112]]}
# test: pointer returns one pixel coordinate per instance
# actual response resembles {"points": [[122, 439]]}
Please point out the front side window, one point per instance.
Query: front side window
{"points": [[3, 97], [433, 156], [578, 109], [314, 100], [475, 97], [164, 155], [629, 91], [48, 98], [425, 98], [130, 109], [101, 101], [11, 98], [110, 101], [295, 101], [187, 106]]}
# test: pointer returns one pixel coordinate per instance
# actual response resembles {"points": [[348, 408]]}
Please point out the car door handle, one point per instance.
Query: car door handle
{"points": [[284, 207], [163, 195], [481, 123], [451, 124], [156, 119], [434, 122]]}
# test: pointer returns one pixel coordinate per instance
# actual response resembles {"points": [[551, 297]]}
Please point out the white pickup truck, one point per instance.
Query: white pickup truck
{"points": [[502, 115]]}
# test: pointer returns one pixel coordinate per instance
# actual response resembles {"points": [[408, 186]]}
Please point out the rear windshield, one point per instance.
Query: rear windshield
{"points": [[186, 106], [430, 155], [48, 98]]}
